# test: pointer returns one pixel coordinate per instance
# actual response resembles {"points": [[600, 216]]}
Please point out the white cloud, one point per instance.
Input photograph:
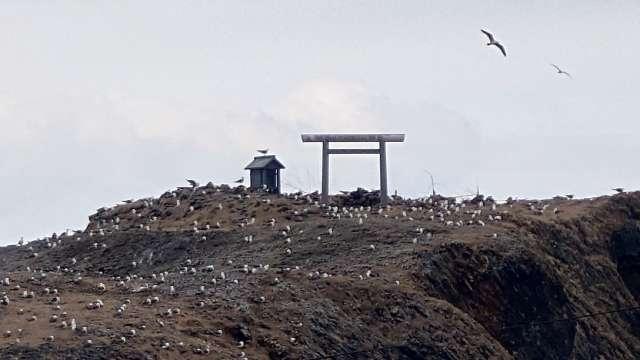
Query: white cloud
{"points": [[328, 105]]}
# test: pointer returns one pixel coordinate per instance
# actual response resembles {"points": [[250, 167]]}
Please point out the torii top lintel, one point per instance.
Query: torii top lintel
{"points": [[353, 137]]}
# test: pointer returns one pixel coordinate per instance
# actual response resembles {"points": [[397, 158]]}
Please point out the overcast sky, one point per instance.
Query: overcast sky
{"points": [[106, 101]]}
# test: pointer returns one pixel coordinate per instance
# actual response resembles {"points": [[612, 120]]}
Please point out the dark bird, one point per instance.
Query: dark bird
{"points": [[263, 151], [493, 41], [240, 181], [128, 201], [618, 190], [569, 196], [560, 71], [193, 183]]}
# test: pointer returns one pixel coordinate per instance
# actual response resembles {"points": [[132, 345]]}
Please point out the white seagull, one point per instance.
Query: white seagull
{"points": [[560, 71], [492, 41]]}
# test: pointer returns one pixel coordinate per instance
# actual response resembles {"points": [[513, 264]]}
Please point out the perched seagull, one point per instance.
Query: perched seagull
{"points": [[193, 183], [263, 151], [560, 71], [240, 181], [618, 190], [492, 41]]}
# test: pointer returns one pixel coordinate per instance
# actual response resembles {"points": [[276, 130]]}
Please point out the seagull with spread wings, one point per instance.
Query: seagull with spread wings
{"points": [[560, 71], [493, 42]]}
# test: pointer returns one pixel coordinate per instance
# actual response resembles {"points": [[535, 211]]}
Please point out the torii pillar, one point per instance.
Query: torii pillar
{"points": [[381, 139]]}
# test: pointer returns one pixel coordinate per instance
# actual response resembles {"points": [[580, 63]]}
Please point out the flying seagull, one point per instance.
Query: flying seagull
{"points": [[560, 71], [618, 190], [263, 151], [492, 41], [240, 181], [193, 183]]}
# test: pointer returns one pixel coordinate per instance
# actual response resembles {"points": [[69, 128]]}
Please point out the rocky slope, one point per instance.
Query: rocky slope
{"points": [[225, 273]]}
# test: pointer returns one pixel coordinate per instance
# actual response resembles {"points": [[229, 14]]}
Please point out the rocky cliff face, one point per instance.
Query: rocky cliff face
{"points": [[555, 271], [267, 277]]}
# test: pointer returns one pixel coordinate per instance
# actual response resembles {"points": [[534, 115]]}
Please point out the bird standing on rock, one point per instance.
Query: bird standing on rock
{"points": [[493, 42], [618, 190], [240, 181], [193, 183]]}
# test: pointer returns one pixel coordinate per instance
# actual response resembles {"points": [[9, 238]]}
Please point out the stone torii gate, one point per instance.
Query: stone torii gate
{"points": [[381, 139]]}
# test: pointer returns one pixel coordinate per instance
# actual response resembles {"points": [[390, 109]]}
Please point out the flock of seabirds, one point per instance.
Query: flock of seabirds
{"points": [[159, 291], [441, 211], [418, 221]]}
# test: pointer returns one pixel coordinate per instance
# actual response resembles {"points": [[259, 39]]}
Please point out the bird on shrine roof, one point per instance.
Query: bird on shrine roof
{"points": [[263, 151]]}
